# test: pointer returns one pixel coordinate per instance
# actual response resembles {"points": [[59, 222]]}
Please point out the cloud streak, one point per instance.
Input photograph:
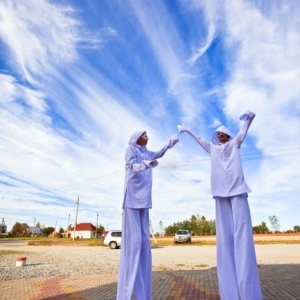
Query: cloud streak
{"points": [[75, 82]]}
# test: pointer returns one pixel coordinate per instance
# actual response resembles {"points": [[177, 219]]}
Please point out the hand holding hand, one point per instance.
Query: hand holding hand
{"points": [[150, 163], [182, 128], [153, 164]]}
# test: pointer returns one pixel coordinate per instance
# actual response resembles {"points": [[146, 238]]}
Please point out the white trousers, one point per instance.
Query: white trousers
{"points": [[236, 260], [135, 268]]}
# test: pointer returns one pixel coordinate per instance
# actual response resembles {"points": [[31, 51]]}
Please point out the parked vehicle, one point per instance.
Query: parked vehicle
{"points": [[182, 236], [113, 239]]}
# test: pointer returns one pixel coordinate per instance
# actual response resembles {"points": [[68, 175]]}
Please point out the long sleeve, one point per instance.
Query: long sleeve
{"points": [[134, 165], [170, 144], [227, 176], [138, 178], [247, 118], [203, 143]]}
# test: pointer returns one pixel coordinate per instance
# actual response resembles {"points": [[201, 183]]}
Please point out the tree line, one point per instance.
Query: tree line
{"points": [[23, 230], [199, 225]]}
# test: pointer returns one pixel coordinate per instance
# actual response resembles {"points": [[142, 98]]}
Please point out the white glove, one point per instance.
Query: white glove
{"points": [[172, 140], [150, 163], [248, 114], [182, 128]]}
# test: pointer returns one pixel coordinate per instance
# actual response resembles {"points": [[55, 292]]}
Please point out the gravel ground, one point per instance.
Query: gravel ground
{"points": [[48, 261]]}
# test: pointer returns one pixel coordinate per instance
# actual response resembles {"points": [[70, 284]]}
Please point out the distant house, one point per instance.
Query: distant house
{"points": [[3, 228], [83, 231], [35, 230]]}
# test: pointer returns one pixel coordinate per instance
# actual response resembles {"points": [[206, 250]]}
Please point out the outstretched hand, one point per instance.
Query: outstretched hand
{"points": [[173, 140], [248, 114]]}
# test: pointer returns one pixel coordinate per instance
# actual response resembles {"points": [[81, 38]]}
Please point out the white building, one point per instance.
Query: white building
{"points": [[83, 231]]}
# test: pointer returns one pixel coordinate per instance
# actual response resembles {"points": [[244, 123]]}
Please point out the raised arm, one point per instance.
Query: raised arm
{"points": [[247, 117], [170, 144], [203, 143]]}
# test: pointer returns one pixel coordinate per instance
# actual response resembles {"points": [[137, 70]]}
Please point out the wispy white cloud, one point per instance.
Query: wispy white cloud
{"points": [[65, 134], [40, 36], [199, 52], [264, 78], [170, 54]]}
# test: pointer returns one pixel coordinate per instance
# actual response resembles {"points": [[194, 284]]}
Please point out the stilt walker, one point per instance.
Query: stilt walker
{"points": [[236, 260], [135, 269]]}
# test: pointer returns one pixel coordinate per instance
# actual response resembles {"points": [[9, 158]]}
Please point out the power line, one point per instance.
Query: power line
{"points": [[245, 157], [119, 172], [260, 155], [99, 179]]}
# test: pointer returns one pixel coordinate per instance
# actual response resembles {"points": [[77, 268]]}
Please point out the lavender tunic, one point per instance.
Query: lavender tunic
{"points": [[135, 258], [227, 177], [138, 178]]}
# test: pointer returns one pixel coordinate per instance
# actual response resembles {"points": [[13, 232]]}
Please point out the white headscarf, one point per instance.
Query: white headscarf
{"points": [[223, 129], [135, 136]]}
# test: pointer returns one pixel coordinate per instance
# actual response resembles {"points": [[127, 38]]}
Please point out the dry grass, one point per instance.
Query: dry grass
{"points": [[170, 242], [259, 239], [65, 242], [9, 252], [202, 266], [271, 242], [267, 239], [163, 268]]}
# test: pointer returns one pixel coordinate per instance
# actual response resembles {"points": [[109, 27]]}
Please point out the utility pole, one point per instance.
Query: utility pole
{"points": [[97, 227], [76, 218], [33, 221], [68, 223]]}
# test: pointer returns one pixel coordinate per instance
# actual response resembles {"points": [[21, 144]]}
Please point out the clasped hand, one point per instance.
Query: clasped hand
{"points": [[182, 128]]}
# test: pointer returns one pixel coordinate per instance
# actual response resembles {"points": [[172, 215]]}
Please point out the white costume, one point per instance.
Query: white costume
{"points": [[236, 260], [135, 270]]}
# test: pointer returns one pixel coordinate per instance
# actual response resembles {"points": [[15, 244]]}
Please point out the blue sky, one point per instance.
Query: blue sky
{"points": [[77, 78]]}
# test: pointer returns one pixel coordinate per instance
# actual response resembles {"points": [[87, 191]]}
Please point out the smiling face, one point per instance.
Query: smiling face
{"points": [[223, 137], [143, 139]]}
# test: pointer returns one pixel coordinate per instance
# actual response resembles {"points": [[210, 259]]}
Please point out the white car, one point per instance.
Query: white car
{"points": [[182, 236], [113, 239]]}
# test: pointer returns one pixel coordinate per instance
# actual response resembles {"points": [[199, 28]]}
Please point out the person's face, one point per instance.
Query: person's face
{"points": [[143, 139], [223, 137]]}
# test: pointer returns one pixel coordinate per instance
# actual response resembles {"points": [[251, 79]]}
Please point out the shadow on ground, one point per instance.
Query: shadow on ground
{"points": [[277, 281]]}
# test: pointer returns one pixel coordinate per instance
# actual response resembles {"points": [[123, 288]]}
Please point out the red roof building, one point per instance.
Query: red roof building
{"points": [[84, 231]]}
